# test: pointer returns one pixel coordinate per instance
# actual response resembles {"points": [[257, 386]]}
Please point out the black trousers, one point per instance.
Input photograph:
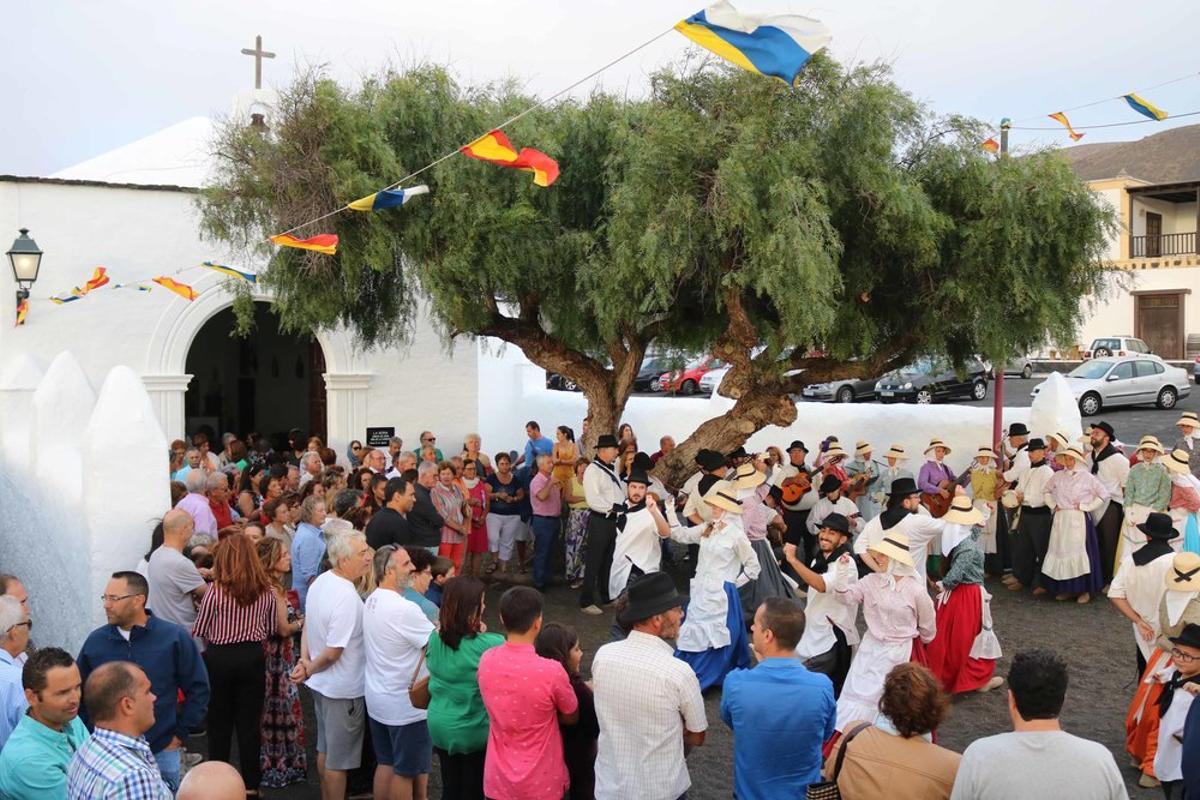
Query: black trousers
{"points": [[1030, 544], [1108, 534], [834, 663], [601, 539], [796, 533], [237, 681], [462, 774]]}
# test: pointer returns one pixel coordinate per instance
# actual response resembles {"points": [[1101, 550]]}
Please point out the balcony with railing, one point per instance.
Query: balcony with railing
{"points": [[1163, 244]]}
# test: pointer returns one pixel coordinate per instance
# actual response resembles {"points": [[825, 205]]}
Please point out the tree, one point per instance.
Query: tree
{"points": [[805, 233]]}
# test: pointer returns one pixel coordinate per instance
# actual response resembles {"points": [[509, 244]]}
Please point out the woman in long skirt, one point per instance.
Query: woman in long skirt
{"points": [[575, 545], [757, 520], [900, 621], [1072, 564], [282, 758], [713, 637], [1185, 501]]}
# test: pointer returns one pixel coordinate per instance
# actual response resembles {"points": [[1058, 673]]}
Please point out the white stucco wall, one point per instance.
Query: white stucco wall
{"points": [[1114, 315]]}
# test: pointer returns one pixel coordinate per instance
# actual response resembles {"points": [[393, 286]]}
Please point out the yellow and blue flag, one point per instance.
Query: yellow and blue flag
{"points": [[388, 198], [1144, 107], [232, 272], [776, 44]]}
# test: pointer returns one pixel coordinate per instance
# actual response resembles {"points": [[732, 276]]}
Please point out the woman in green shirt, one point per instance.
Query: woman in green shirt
{"points": [[458, 721]]}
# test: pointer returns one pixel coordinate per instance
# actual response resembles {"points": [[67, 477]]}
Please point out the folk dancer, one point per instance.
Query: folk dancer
{"points": [[1189, 439], [863, 473], [1033, 519], [1173, 707], [1184, 505], [895, 458], [760, 521], [985, 484], [1013, 463], [830, 626], [1180, 607], [1072, 564], [605, 494], [1138, 587], [963, 654], [905, 515], [640, 529], [900, 621], [832, 501], [936, 480], [1112, 469], [712, 638], [1147, 490]]}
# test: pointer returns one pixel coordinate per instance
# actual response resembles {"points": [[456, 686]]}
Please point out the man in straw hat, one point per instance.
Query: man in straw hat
{"points": [[640, 531], [900, 622], [902, 515], [1112, 469], [830, 628], [1033, 520], [896, 459], [964, 652], [1184, 506], [758, 519], [648, 702], [1147, 489], [936, 480], [605, 494], [713, 637], [863, 472], [1189, 439], [1179, 607], [1071, 568]]}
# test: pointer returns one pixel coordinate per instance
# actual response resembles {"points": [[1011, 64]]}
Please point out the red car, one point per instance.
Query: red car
{"points": [[685, 381]]}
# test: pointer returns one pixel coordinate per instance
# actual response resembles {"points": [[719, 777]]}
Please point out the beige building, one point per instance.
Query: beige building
{"points": [[1154, 185]]}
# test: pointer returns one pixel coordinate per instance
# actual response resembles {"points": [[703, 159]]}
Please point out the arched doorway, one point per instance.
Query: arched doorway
{"points": [[269, 381]]}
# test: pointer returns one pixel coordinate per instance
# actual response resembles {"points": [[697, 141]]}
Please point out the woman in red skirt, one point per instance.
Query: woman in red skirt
{"points": [[477, 501], [964, 652]]}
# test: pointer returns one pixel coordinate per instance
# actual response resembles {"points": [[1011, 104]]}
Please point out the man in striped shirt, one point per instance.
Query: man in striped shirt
{"points": [[116, 761]]}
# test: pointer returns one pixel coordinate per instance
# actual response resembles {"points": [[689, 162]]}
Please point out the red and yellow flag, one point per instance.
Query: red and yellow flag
{"points": [[98, 279], [322, 243], [991, 145], [181, 289], [1061, 118], [22, 311], [495, 148]]}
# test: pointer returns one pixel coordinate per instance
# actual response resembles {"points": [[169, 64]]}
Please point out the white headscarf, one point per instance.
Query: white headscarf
{"points": [[953, 535], [1176, 602], [894, 571], [1184, 480]]}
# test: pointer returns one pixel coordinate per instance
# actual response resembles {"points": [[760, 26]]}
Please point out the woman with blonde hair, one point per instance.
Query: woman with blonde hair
{"points": [[283, 758]]}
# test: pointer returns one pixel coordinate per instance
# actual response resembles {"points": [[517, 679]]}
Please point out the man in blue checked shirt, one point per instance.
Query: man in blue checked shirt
{"points": [[116, 760]]}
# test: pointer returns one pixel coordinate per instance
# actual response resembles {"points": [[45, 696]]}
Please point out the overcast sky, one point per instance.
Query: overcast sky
{"points": [[84, 77]]}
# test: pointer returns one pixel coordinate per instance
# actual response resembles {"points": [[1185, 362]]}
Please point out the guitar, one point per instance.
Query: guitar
{"points": [[857, 487], [938, 505], [795, 487]]}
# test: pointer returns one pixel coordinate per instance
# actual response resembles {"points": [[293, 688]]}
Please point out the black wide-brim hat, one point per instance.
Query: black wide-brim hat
{"points": [[606, 440], [650, 594], [1159, 526], [642, 461], [1104, 426], [797, 445], [902, 487], [638, 476], [836, 522], [831, 483], [1188, 637], [740, 452], [1018, 429], [710, 460]]}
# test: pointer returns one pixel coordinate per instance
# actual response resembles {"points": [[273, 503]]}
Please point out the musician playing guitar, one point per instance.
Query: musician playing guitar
{"points": [[936, 480]]}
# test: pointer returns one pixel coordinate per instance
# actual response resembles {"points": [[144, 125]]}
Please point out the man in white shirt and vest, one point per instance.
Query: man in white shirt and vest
{"points": [[605, 495], [640, 531], [1034, 520], [1111, 467]]}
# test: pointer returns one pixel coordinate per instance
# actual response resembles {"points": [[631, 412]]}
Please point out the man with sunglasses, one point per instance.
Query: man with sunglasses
{"points": [[165, 652], [15, 625]]}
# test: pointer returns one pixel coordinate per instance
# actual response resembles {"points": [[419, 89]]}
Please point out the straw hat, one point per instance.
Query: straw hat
{"points": [[894, 545], [1150, 443], [1062, 439], [936, 442], [835, 449], [962, 512], [896, 452], [1009, 499], [1189, 418], [985, 452], [1184, 574], [1074, 452], [723, 494], [1178, 461], [747, 476], [863, 446]]}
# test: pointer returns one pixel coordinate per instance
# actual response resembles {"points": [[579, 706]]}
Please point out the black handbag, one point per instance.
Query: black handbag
{"points": [[828, 790]]}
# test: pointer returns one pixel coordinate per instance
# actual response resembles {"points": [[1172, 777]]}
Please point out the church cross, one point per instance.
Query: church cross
{"points": [[259, 54]]}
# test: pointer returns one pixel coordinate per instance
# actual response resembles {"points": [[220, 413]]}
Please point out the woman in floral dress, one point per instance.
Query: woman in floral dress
{"points": [[283, 761]]}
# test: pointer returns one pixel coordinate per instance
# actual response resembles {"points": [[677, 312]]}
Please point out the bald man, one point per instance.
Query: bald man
{"points": [[176, 586], [212, 780]]}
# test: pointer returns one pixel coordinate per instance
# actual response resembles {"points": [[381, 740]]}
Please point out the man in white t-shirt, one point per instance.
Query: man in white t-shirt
{"points": [[395, 631], [333, 661]]}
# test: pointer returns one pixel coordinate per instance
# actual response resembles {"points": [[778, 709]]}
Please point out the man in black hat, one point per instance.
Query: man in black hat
{"points": [[640, 531], [1034, 520], [902, 515], [1111, 467], [829, 628], [794, 480], [648, 702], [605, 495], [1137, 588]]}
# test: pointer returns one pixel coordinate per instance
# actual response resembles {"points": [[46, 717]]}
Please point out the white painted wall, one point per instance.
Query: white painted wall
{"points": [[1113, 316]]}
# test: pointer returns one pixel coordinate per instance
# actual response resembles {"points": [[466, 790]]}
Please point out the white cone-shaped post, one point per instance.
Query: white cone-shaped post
{"points": [[18, 381], [1055, 410], [62, 405]]}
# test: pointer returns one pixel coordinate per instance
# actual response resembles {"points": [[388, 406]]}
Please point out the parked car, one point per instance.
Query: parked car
{"points": [[647, 377], [686, 381], [928, 380], [712, 379], [1116, 346], [844, 391], [1125, 381], [560, 383]]}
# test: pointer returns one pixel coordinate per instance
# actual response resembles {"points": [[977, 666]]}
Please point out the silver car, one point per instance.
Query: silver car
{"points": [[1125, 381]]}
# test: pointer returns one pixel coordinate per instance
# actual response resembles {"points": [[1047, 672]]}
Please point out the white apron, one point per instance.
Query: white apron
{"points": [[874, 659], [1168, 761], [1067, 556]]}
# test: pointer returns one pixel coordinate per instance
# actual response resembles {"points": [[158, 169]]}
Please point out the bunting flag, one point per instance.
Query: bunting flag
{"points": [[776, 44], [1144, 107], [495, 148], [58, 300], [1061, 118], [22, 311], [181, 289], [388, 198], [98, 279], [321, 243], [991, 145], [232, 272]]}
